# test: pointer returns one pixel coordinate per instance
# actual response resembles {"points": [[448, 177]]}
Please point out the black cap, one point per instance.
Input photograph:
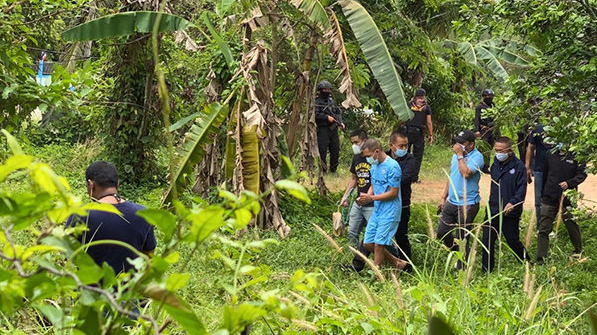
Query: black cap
{"points": [[420, 92], [464, 136]]}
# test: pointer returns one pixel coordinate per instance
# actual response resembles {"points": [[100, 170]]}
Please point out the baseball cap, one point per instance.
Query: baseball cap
{"points": [[464, 136]]}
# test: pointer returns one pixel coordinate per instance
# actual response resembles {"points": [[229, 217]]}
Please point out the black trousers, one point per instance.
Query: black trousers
{"points": [[403, 251], [328, 139], [416, 146], [452, 218], [510, 229]]}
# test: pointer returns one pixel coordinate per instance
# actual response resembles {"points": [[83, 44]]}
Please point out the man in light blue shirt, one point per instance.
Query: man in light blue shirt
{"points": [[385, 195], [460, 201]]}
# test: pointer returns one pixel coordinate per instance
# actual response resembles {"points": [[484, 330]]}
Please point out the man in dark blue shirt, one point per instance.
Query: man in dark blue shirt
{"points": [[506, 196], [538, 149], [102, 181]]}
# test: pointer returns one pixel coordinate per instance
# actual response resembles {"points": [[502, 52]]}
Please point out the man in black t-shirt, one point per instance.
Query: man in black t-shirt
{"points": [[361, 179], [560, 172], [102, 181], [415, 128]]}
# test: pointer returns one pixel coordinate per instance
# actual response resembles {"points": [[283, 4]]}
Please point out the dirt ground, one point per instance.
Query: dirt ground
{"points": [[430, 191]]}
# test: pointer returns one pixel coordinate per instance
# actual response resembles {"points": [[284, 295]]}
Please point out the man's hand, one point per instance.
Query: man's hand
{"points": [[529, 175], [344, 202], [457, 149], [440, 206], [331, 119], [342, 126], [364, 198], [430, 139], [478, 134], [564, 185], [509, 207]]}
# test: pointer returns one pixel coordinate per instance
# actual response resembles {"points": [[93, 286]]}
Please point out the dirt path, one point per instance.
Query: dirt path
{"points": [[430, 191]]}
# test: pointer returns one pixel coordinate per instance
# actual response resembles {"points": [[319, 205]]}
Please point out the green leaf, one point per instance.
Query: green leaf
{"points": [[176, 281], [250, 159], [294, 189], [180, 123], [99, 206], [191, 151], [13, 144], [438, 326], [187, 320], [14, 163], [222, 44], [378, 57], [468, 52], [492, 63], [222, 6], [204, 222], [53, 313], [164, 220], [124, 24], [315, 11]]}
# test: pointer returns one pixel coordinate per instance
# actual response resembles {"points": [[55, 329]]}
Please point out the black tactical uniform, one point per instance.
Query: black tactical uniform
{"points": [[327, 132], [415, 131], [484, 124]]}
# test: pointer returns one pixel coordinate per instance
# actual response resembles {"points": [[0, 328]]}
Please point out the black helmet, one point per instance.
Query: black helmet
{"points": [[487, 92], [324, 84], [420, 92]]}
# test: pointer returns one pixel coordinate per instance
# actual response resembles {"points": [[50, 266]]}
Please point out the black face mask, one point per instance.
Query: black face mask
{"points": [[488, 101], [324, 95]]}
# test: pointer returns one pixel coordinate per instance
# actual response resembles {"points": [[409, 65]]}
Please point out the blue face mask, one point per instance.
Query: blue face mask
{"points": [[500, 156], [400, 152], [371, 160]]}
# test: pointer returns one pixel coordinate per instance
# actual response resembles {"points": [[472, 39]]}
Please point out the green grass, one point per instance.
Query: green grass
{"points": [[351, 303]]}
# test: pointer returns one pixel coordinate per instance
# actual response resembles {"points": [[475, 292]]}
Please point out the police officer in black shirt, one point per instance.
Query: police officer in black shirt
{"points": [[415, 128], [561, 171], [484, 124], [328, 118]]}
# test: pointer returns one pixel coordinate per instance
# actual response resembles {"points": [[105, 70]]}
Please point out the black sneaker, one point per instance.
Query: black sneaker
{"points": [[540, 261]]}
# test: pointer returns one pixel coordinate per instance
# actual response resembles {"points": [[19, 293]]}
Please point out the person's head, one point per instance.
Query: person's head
{"points": [[420, 93], [466, 139], [100, 176], [325, 88], [503, 148], [487, 96], [398, 143], [357, 137], [371, 150]]}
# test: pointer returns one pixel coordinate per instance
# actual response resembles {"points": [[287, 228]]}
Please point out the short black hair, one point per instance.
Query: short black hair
{"points": [[505, 140], [396, 135], [371, 144], [362, 134], [102, 173]]}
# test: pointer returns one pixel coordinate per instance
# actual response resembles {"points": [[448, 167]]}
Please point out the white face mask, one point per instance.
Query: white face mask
{"points": [[500, 156], [356, 149], [463, 147]]}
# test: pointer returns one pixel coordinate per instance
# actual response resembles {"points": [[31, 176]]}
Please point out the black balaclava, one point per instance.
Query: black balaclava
{"points": [[488, 100], [324, 95]]}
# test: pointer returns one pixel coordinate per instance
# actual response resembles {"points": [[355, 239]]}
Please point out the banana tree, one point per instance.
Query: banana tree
{"points": [[492, 54]]}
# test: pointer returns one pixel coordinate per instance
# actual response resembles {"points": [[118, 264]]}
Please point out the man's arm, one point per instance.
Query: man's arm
{"points": [[463, 168], [409, 171], [521, 191], [430, 128], [389, 195], [528, 159], [351, 184], [320, 113], [478, 121], [579, 177], [442, 201]]}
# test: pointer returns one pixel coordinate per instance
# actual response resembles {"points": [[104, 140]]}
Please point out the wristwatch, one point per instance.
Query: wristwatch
{"points": [[460, 157]]}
